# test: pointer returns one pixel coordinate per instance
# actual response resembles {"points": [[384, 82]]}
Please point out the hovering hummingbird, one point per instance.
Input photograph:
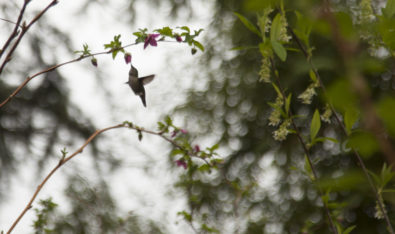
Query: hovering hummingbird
{"points": [[137, 84]]}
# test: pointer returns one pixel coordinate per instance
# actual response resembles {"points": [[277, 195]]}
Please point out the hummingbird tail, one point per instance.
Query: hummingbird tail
{"points": [[143, 100]]}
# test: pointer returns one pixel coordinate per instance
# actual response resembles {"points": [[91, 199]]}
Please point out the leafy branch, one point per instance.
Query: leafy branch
{"points": [[185, 147]]}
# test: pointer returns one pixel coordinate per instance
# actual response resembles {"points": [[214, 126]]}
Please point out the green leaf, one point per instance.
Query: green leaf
{"points": [[279, 49], [385, 109], [204, 168], [275, 30], [288, 103], [364, 142], [312, 75], [175, 152], [322, 139], [214, 147], [186, 29], [198, 45], [168, 120], [303, 28], [389, 9], [277, 90], [351, 116], [248, 24], [198, 32], [315, 125], [307, 168], [187, 216], [387, 31], [349, 229], [165, 31]]}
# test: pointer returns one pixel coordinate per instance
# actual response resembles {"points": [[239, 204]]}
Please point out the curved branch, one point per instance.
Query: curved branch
{"points": [[64, 160], [61, 163]]}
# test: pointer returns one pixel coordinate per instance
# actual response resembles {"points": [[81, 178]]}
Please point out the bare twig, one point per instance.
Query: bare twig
{"points": [[9, 21], [25, 28], [64, 160], [15, 31]]}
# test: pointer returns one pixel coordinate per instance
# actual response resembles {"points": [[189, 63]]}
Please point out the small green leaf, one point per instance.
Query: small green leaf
{"points": [[351, 116], [307, 168], [165, 31], [364, 142], [186, 29], [277, 90], [214, 147], [275, 30], [313, 77], [385, 108], [288, 103], [187, 216], [198, 45], [279, 49], [168, 120], [175, 152], [322, 139], [248, 24], [315, 125], [204, 168]]}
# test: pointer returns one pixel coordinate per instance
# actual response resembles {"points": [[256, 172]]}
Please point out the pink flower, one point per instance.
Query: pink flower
{"points": [[128, 58], [183, 131], [197, 148], [181, 163], [179, 38], [174, 133], [151, 39]]}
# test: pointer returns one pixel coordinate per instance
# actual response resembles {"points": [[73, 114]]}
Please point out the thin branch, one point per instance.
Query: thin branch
{"points": [[9, 21], [304, 146], [15, 31], [60, 164], [29, 78], [64, 160], [25, 28]]}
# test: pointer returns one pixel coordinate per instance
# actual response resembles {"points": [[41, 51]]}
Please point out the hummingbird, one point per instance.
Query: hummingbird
{"points": [[137, 84]]}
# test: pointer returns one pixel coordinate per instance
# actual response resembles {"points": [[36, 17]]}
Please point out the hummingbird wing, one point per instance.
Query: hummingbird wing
{"points": [[147, 79]]}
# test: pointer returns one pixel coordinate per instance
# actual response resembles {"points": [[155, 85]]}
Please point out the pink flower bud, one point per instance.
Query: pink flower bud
{"points": [[181, 163], [197, 148], [183, 131], [179, 38], [128, 58]]}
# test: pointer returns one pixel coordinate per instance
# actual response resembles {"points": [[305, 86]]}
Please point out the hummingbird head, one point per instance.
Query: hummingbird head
{"points": [[133, 71]]}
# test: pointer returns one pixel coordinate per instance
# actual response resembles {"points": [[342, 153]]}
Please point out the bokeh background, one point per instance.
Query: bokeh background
{"points": [[121, 185]]}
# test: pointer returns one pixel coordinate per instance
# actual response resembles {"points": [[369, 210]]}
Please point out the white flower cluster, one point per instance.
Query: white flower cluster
{"points": [[264, 73]]}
